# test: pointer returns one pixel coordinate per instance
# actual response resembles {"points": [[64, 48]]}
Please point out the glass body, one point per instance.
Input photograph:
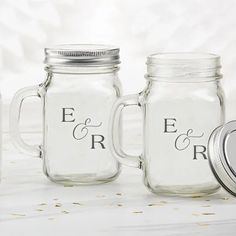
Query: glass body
{"points": [[178, 120], [76, 109], [182, 104]]}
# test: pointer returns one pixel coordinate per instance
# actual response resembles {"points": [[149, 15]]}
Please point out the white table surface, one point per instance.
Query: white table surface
{"points": [[31, 205]]}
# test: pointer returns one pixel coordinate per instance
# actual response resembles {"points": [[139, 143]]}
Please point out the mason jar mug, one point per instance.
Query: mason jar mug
{"points": [[181, 105], [77, 96]]}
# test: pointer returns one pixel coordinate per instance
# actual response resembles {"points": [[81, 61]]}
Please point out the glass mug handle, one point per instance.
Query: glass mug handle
{"points": [[14, 123], [120, 155]]}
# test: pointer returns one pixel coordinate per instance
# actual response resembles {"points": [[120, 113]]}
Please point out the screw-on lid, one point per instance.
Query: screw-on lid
{"points": [[222, 155], [82, 55]]}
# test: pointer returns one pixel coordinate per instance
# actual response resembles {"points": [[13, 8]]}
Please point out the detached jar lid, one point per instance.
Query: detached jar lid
{"points": [[222, 155], [82, 55]]}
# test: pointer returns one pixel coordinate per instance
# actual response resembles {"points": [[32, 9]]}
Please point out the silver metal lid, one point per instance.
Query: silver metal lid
{"points": [[222, 155], [82, 55]]}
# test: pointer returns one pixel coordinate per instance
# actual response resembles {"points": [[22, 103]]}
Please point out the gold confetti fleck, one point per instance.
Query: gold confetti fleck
{"points": [[195, 214], [76, 203], [119, 205], [156, 204], [58, 205], [65, 212], [17, 214], [42, 204], [118, 194], [208, 213], [225, 198], [137, 212], [202, 224], [163, 202], [39, 209]]}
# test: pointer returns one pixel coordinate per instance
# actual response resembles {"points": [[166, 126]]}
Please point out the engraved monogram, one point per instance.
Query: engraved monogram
{"points": [[184, 140], [81, 130]]}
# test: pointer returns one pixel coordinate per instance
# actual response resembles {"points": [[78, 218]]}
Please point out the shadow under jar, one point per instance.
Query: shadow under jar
{"points": [[77, 96], [182, 104]]}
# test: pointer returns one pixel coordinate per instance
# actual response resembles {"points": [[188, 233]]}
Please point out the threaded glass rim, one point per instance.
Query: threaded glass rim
{"points": [[184, 65]]}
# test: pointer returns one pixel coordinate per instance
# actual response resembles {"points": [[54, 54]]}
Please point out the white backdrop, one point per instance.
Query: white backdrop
{"points": [[139, 27]]}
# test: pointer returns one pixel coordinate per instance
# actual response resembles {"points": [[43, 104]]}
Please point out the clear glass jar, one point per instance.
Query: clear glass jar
{"points": [[77, 96], [181, 104]]}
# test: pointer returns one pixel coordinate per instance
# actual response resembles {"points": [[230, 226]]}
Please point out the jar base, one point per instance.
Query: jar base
{"points": [[81, 179], [185, 191]]}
